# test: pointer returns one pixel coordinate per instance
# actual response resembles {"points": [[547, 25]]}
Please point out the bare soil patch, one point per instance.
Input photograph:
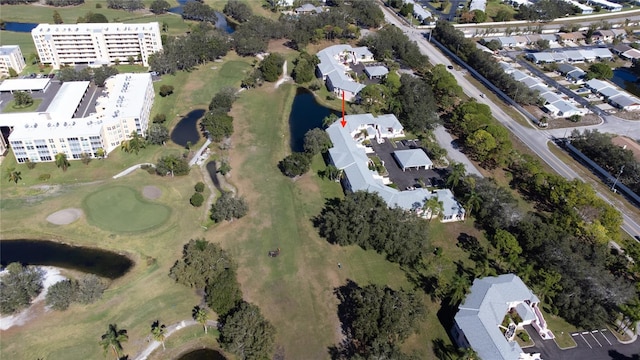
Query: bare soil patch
{"points": [[151, 192], [630, 145], [561, 123], [65, 216], [628, 115]]}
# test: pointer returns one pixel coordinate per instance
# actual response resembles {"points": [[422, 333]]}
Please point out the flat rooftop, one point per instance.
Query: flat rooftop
{"points": [[24, 84]]}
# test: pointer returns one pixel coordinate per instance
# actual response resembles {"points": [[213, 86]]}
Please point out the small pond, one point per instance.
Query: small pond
{"points": [[19, 26], [187, 129], [627, 80], [306, 114], [221, 23], [203, 354], [49, 253], [212, 170]]}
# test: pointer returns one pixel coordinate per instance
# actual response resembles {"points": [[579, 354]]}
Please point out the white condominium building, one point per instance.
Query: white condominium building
{"points": [[11, 58], [125, 108], [71, 44]]}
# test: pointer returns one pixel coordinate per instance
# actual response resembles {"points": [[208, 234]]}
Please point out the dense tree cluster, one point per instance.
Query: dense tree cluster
{"points": [[482, 62], [99, 75], [86, 291], [64, 2], [228, 207], [599, 148], [195, 10], [366, 13], [304, 69], [157, 134], [391, 43], [128, 5], [328, 25], [376, 321], [16, 2], [159, 7], [600, 71], [246, 333], [237, 10], [486, 141], [19, 286], [546, 10], [204, 43], [172, 165], [88, 17], [366, 220], [295, 164], [316, 141], [22, 99], [417, 104], [216, 122], [271, 67], [252, 36]]}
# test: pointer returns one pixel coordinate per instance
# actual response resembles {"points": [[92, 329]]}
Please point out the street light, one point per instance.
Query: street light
{"points": [[617, 178]]}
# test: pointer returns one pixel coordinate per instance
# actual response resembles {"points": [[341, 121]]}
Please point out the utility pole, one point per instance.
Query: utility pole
{"points": [[613, 187]]}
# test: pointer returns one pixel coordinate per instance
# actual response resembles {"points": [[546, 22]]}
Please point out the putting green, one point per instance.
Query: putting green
{"points": [[122, 209]]}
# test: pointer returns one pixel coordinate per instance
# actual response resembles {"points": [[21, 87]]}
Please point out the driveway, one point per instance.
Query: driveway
{"points": [[598, 344], [405, 179]]}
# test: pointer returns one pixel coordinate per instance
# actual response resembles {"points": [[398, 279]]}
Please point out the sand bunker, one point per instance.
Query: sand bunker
{"points": [[65, 216], [151, 192]]}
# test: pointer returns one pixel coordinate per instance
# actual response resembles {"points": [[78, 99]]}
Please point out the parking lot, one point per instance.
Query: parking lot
{"points": [[409, 178], [597, 344]]}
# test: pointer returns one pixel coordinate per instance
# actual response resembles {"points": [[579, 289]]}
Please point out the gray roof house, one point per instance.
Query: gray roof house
{"points": [[412, 158], [376, 72], [334, 69], [479, 318], [576, 75], [564, 69], [597, 85], [349, 154]]}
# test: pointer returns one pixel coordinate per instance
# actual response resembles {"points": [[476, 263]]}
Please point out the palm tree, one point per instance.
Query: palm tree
{"points": [[100, 153], [333, 173], [458, 289], [200, 315], [457, 173], [113, 339], [136, 142], [62, 162], [13, 175], [158, 332], [433, 206], [474, 201]]}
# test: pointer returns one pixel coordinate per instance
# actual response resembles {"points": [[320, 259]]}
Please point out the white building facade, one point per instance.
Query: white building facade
{"points": [[96, 44], [11, 58], [38, 137]]}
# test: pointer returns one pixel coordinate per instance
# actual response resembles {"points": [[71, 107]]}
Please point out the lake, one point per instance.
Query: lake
{"points": [[627, 80], [306, 114], [203, 354], [187, 128], [49, 253], [221, 23], [19, 26]]}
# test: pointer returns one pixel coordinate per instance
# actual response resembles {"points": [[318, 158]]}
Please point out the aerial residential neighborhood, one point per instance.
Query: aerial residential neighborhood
{"points": [[319, 179]]}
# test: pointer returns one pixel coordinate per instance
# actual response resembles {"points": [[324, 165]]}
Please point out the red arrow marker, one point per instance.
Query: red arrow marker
{"points": [[343, 122]]}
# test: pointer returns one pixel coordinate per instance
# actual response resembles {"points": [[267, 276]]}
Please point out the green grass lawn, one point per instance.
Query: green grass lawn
{"points": [[12, 108], [122, 209], [24, 40]]}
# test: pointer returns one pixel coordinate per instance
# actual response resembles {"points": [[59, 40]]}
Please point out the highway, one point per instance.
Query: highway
{"points": [[536, 139]]}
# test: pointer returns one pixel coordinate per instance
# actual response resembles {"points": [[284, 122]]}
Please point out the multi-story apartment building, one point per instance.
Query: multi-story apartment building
{"points": [[71, 44], [11, 58], [125, 108]]}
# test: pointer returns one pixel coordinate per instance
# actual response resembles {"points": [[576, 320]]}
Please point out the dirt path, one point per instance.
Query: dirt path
{"points": [[169, 331], [285, 76]]}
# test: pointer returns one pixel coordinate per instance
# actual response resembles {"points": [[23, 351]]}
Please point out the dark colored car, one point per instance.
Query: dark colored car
{"points": [[450, 67]]}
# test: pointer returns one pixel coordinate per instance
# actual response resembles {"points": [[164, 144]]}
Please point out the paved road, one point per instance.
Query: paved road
{"points": [[453, 153], [598, 344], [535, 139]]}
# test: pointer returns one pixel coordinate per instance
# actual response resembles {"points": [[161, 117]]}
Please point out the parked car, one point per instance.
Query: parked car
{"points": [[450, 67]]}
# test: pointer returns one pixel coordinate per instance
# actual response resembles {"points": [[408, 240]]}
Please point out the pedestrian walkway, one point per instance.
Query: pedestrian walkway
{"points": [[169, 331]]}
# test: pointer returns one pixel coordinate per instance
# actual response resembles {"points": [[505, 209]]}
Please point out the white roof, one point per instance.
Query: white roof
{"points": [[484, 309], [530, 82], [631, 54], [110, 109], [8, 49], [95, 27], [350, 156], [24, 84], [378, 70], [597, 85], [607, 4], [542, 57], [478, 5], [551, 97], [624, 100], [609, 92], [566, 108], [331, 67], [412, 158], [70, 93], [418, 11]]}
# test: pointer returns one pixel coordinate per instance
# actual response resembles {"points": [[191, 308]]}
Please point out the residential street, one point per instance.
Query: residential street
{"points": [[534, 138]]}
